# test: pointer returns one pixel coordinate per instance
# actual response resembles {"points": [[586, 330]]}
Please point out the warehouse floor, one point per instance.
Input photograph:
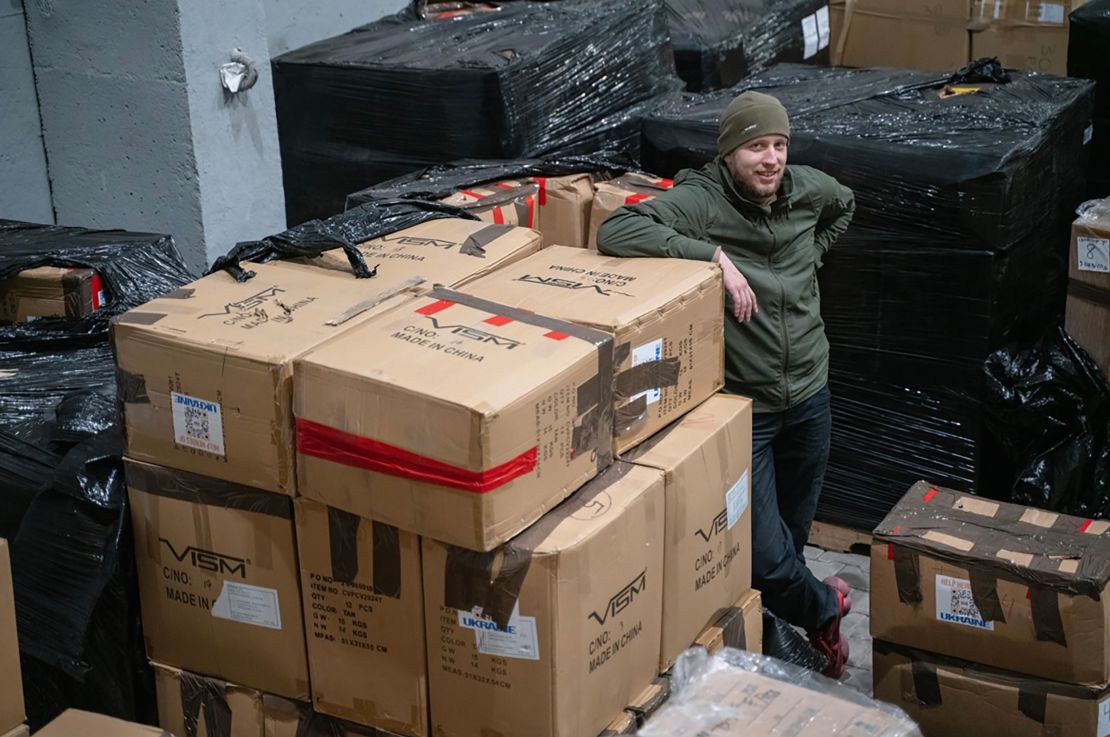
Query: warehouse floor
{"points": [[856, 570]]}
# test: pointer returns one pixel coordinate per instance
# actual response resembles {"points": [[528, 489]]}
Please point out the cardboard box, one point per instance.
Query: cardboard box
{"points": [[218, 580], [286, 718], [627, 189], [650, 699], [11, 681], [565, 204], [1024, 34], [740, 627], [998, 584], [196, 706], [508, 202], [949, 697], [622, 725], [205, 372], [1088, 307], [364, 611], [707, 556], [51, 291], [466, 422], [20, 731], [892, 33], [74, 723], [666, 317], [558, 630]]}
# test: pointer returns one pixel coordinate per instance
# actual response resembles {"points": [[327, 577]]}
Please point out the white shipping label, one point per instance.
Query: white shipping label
{"points": [[517, 640], [823, 27], [198, 423], [955, 603], [652, 351], [241, 602], [1051, 13], [1103, 718], [809, 33], [736, 500], [1092, 254]]}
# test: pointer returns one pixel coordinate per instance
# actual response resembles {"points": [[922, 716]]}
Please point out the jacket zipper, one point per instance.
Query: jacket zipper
{"points": [[782, 319]]}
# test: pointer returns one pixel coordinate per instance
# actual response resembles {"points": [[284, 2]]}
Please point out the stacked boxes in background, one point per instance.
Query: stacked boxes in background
{"points": [[1087, 316], [627, 189], [975, 601], [12, 711], [50, 291]]}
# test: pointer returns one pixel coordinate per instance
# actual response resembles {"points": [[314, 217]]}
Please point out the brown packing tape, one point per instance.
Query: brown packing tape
{"points": [[602, 419], [131, 387], [387, 560], [630, 418], [343, 544], [475, 243], [984, 592], [926, 685], [735, 634], [191, 487], [1047, 623], [646, 376], [208, 696], [1089, 292], [375, 300], [1033, 702], [343, 530], [907, 575], [137, 317], [469, 580], [180, 293], [650, 699]]}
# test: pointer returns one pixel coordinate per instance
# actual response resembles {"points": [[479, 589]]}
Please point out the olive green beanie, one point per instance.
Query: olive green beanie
{"points": [[751, 115]]}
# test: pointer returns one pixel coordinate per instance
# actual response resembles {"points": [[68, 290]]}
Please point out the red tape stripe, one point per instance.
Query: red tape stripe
{"points": [[498, 216], [666, 183], [632, 199], [337, 446], [929, 495], [1083, 527], [531, 202], [498, 320], [438, 306], [97, 287], [542, 181], [475, 195]]}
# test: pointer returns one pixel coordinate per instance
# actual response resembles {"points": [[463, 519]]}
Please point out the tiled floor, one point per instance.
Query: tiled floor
{"points": [[856, 570]]}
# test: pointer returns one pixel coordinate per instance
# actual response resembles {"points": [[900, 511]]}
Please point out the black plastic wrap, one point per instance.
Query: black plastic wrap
{"points": [[64, 505], [402, 94], [720, 42], [957, 248], [782, 642], [1089, 58]]}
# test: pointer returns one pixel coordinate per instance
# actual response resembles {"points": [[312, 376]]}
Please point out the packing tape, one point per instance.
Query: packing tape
{"points": [[1089, 292], [907, 574], [630, 418], [646, 376], [180, 293], [138, 317], [650, 699], [926, 685], [1032, 701], [74, 293], [984, 592], [734, 629], [191, 487], [343, 530], [208, 696], [131, 387], [475, 243], [1047, 623]]}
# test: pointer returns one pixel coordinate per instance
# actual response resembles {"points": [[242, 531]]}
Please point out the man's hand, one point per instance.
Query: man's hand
{"points": [[743, 298]]}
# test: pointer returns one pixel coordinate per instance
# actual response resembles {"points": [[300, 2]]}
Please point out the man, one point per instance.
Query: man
{"points": [[767, 225]]}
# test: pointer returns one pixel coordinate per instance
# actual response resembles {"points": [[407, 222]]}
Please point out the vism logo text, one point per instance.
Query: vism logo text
{"points": [[408, 240], [553, 281], [208, 560], [465, 331], [716, 527], [622, 599], [252, 302]]}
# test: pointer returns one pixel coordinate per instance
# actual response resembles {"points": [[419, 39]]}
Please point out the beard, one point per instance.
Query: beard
{"points": [[753, 189]]}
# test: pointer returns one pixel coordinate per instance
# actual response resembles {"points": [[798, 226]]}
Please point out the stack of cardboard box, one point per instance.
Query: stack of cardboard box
{"points": [[1087, 316], [51, 291], [628, 189], [991, 618], [519, 492], [12, 711]]}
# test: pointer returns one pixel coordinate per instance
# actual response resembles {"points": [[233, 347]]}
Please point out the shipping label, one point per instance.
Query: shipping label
{"points": [[518, 639], [1092, 254], [198, 423], [955, 603], [646, 353], [1103, 729], [242, 602], [342, 613], [736, 499]]}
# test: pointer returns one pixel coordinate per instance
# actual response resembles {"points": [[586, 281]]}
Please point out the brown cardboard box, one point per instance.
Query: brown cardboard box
{"points": [[508, 202], [454, 417], [286, 718], [893, 33], [1023, 34], [954, 698], [566, 632], [999, 584], [740, 626], [627, 189], [565, 204], [205, 372], [364, 609], [1088, 308], [196, 706], [50, 291], [11, 682], [74, 723], [666, 317], [622, 725], [707, 557], [20, 731], [218, 579], [734, 701], [644, 705]]}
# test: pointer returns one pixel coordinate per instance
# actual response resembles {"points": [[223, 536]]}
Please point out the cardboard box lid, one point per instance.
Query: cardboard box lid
{"points": [[586, 287], [1058, 551], [50, 274], [489, 355], [636, 186], [73, 722], [674, 444], [284, 310]]}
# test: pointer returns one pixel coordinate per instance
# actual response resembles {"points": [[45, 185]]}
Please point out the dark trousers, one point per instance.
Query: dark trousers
{"points": [[789, 452]]}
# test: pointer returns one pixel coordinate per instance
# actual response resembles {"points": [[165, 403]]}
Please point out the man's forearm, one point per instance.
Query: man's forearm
{"points": [[629, 233]]}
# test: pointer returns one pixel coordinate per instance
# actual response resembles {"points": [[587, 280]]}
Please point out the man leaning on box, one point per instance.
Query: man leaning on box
{"points": [[767, 225]]}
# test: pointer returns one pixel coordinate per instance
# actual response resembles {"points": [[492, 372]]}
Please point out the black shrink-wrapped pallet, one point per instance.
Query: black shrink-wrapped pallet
{"points": [[1089, 58], [957, 250], [404, 93]]}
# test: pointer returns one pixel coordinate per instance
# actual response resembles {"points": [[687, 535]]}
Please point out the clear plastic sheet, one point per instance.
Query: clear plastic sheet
{"points": [[402, 93], [739, 693], [1088, 40]]}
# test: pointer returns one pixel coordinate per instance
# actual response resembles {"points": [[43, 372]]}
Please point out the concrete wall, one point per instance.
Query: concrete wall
{"points": [[24, 186], [295, 23]]}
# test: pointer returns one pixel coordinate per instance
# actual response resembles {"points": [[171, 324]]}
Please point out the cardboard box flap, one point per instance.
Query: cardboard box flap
{"points": [[203, 700], [470, 575], [488, 356], [1050, 550], [672, 445], [285, 718], [592, 289], [196, 489], [74, 722], [642, 183]]}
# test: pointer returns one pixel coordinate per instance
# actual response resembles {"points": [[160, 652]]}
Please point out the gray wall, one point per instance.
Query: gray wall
{"points": [[295, 23], [24, 186]]}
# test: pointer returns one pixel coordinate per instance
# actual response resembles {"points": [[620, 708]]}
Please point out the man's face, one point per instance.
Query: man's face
{"points": [[758, 166]]}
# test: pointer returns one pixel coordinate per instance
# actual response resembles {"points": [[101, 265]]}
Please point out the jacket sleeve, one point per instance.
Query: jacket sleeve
{"points": [[667, 226], [838, 204]]}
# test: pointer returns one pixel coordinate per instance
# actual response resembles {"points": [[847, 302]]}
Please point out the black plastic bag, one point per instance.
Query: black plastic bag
{"points": [[782, 641]]}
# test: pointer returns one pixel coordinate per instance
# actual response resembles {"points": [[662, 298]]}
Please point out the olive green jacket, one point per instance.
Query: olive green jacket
{"points": [[781, 357]]}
